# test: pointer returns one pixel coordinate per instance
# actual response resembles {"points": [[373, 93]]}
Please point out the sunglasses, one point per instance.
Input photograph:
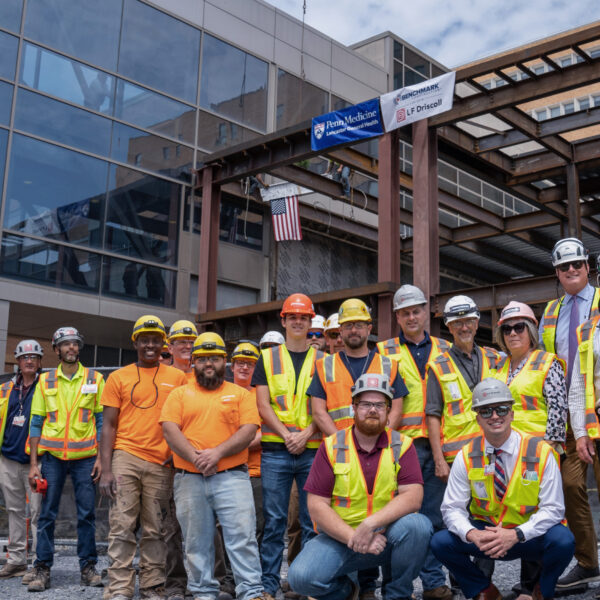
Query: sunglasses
{"points": [[576, 264], [314, 334], [165, 355], [507, 329], [487, 411], [334, 335]]}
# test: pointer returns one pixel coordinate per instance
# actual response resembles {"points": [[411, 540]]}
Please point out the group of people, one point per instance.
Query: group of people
{"points": [[388, 462]]}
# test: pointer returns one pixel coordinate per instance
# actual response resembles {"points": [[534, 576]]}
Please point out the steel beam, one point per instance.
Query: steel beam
{"points": [[573, 203]]}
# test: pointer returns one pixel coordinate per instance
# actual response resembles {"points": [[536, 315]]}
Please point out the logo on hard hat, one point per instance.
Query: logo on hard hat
{"points": [[512, 309], [372, 381], [319, 130]]}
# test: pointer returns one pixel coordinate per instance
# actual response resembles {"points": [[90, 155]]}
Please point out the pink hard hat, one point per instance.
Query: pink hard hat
{"points": [[516, 309]]}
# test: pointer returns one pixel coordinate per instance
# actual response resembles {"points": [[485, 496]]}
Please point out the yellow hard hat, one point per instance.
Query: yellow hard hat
{"points": [[209, 343], [182, 330], [353, 310], [148, 324], [245, 350]]}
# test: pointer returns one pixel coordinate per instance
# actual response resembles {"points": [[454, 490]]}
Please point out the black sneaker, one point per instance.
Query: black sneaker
{"points": [[578, 575]]}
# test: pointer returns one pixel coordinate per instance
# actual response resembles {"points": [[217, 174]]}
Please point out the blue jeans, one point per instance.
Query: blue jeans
{"points": [[226, 496], [323, 567], [278, 469], [555, 549], [55, 471], [432, 574]]}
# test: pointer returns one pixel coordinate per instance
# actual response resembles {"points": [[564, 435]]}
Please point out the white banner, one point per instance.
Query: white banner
{"points": [[282, 190], [416, 102]]}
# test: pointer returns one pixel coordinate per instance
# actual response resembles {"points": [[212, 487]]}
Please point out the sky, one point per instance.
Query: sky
{"points": [[453, 32]]}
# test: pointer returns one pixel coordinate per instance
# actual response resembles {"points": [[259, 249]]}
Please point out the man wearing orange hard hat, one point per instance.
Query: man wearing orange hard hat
{"points": [[289, 437]]}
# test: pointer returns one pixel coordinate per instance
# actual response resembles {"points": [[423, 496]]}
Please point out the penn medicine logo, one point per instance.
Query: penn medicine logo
{"points": [[400, 115], [319, 130]]}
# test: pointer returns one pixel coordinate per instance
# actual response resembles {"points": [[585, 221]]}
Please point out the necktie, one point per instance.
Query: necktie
{"points": [[573, 324], [499, 475]]}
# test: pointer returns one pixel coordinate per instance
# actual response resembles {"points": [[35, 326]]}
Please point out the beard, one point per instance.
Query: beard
{"points": [[369, 427], [354, 342], [211, 382]]}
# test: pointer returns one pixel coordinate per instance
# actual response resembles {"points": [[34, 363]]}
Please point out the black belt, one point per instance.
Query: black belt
{"points": [[236, 468]]}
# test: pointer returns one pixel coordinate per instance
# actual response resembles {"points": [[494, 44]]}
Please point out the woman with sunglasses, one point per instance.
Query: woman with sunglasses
{"points": [[535, 378]]}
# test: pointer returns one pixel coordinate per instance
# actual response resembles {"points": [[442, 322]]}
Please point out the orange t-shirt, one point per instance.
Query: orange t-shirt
{"points": [[254, 455], [191, 376], [209, 417], [138, 429]]}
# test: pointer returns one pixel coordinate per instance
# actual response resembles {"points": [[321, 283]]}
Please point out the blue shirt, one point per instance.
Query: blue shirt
{"points": [[420, 352], [19, 404]]}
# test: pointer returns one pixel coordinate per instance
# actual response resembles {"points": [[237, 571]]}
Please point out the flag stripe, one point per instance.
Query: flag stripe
{"points": [[286, 219]]}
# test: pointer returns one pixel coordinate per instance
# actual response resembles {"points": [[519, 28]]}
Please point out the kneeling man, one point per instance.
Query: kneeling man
{"points": [[516, 510], [364, 490]]}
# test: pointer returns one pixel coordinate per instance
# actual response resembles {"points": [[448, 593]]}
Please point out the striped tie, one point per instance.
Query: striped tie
{"points": [[499, 475]]}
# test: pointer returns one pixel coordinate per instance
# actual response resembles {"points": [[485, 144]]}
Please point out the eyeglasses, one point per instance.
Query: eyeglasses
{"points": [[366, 406], [248, 364], [211, 359], [28, 357], [501, 410], [333, 335], [314, 334], [358, 325], [165, 355], [519, 328], [576, 264]]}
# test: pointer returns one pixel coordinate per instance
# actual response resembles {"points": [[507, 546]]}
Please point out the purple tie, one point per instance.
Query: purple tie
{"points": [[573, 324]]}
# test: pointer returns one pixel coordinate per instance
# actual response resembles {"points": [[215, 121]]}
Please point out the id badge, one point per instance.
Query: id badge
{"points": [[489, 469], [19, 420], [480, 489], [454, 391], [89, 388]]}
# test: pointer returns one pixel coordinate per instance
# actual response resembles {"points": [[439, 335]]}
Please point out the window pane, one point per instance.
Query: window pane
{"points": [[172, 45], [298, 100], [215, 133], [137, 282], [569, 107], [50, 264], [338, 103], [3, 142], [234, 83], [231, 296], [410, 77], [66, 124], [142, 149], [55, 192], [67, 79], [6, 94], [128, 357], [107, 357], [584, 103], [8, 55], [153, 111], [241, 227], [416, 62], [87, 29], [143, 216], [554, 111], [398, 50], [10, 14], [398, 79]]}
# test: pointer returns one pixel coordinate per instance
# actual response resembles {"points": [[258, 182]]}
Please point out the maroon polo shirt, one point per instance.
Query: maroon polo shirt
{"points": [[321, 479]]}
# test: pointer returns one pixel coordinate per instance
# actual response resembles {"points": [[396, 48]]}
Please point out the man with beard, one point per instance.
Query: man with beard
{"points": [[135, 474], [66, 419], [316, 333], [364, 489], [209, 424]]}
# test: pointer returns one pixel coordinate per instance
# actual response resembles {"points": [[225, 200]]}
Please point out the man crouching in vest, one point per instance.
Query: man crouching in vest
{"points": [[364, 489], [516, 510], [66, 420]]}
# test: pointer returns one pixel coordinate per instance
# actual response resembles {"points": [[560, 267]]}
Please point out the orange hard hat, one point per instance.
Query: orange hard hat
{"points": [[299, 304], [514, 310]]}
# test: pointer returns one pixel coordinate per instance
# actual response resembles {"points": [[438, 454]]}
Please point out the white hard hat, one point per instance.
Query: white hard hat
{"points": [[408, 295], [272, 337], [491, 391], [28, 347], [318, 322], [372, 382], [460, 307], [332, 322], [568, 250]]}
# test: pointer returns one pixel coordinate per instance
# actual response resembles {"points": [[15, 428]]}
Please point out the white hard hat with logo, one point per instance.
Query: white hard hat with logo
{"points": [[318, 322], [332, 322], [272, 337], [568, 250], [372, 382], [460, 307], [28, 347], [491, 391], [408, 295]]}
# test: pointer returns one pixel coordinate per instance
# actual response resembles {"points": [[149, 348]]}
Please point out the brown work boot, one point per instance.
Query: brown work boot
{"points": [[11, 570], [28, 577], [157, 592], [41, 579], [367, 595], [490, 593], [442, 592], [90, 577]]}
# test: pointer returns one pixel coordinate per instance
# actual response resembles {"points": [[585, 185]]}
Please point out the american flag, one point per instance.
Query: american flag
{"points": [[286, 219]]}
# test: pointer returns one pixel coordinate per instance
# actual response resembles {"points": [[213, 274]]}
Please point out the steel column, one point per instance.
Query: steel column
{"points": [[209, 242], [388, 259], [426, 244], [573, 203]]}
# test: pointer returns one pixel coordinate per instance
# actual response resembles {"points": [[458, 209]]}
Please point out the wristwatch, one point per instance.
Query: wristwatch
{"points": [[520, 534]]}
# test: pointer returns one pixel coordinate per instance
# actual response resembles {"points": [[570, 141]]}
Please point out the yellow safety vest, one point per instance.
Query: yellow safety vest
{"points": [[69, 432], [413, 423], [350, 498], [551, 319], [292, 409], [337, 383], [585, 337], [459, 423], [523, 490], [5, 390], [531, 410]]}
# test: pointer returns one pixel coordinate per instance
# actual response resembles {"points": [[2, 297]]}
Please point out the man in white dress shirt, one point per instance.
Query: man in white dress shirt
{"points": [[510, 515]]}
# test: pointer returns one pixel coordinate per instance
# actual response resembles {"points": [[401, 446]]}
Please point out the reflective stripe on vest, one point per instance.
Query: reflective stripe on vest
{"points": [[522, 492], [350, 497], [459, 424], [585, 337], [530, 408], [288, 392]]}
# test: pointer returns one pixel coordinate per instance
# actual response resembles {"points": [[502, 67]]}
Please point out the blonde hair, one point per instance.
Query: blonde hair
{"points": [[531, 330]]}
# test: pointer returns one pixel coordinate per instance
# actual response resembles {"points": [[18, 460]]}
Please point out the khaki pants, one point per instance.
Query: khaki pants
{"points": [[144, 491], [577, 505], [14, 484]]}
